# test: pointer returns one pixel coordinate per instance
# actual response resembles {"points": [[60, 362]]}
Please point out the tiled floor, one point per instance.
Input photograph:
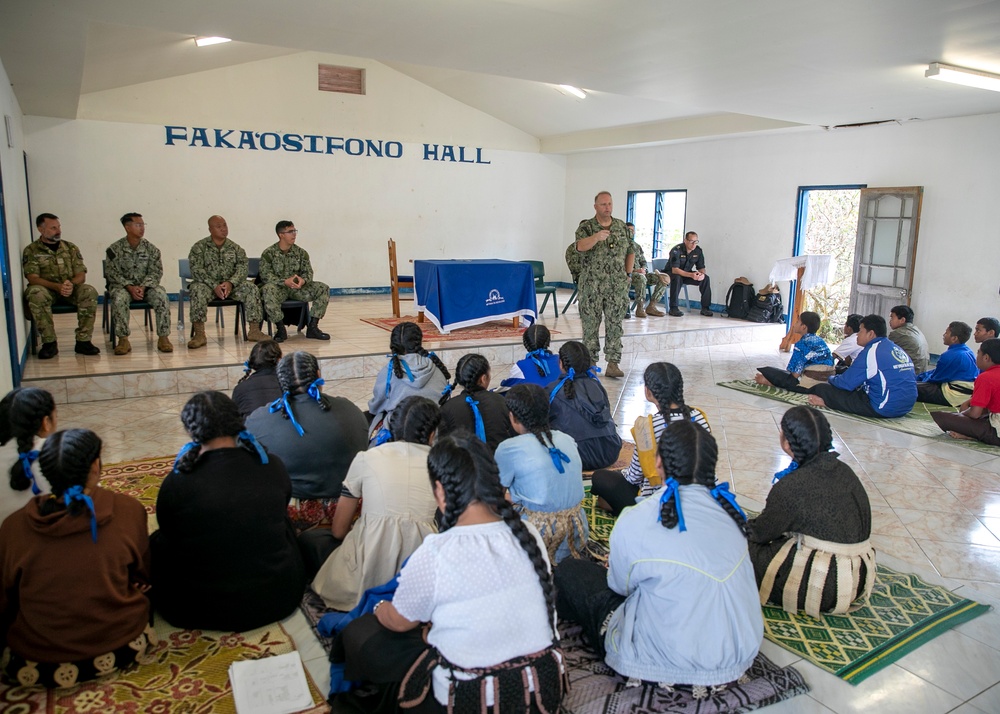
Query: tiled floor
{"points": [[936, 506]]}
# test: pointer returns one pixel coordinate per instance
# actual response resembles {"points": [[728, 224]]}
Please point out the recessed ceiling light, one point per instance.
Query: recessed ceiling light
{"points": [[966, 77], [578, 93], [206, 41]]}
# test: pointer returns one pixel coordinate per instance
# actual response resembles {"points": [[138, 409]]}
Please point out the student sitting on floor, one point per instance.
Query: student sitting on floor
{"points": [[579, 406], [810, 350], [397, 510], [981, 419], [316, 435], [847, 350], [259, 384], [411, 371], [950, 382], [987, 328], [27, 415], [908, 337], [485, 587], [665, 390], [74, 570], [678, 602], [542, 470], [809, 546], [539, 366], [476, 410], [880, 383], [225, 553]]}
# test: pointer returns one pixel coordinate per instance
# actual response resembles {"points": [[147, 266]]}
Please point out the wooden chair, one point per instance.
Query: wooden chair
{"points": [[397, 281]]}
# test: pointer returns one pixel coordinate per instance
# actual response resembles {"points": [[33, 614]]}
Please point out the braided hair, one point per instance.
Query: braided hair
{"points": [[207, 416], [530, 406], [22, 412], [573, 355], [807, 432], [665, 383], [264, 354], [66, 459], [407, 338], [296, 372], [468, 372], [467, 472], [689, 454], [537, 339], [415, 420]]}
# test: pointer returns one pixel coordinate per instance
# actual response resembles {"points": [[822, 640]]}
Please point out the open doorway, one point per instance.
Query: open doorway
{"points": [[827, 224]]}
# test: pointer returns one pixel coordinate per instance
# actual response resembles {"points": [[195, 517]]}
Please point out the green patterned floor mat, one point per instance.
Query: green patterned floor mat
{"points": [[918, 422]]}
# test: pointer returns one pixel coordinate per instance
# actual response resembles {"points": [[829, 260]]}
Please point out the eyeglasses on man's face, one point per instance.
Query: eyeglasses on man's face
{"points": [[293, 232], [138, 224]]}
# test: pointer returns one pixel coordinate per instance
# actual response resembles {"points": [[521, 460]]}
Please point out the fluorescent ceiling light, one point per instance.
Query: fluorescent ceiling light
{"points": [[206, 41], [960, 75], [578, 93]]}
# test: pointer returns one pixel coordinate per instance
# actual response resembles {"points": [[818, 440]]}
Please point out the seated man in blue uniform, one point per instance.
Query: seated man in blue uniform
{"points": [[950, 382], [880, 383]]}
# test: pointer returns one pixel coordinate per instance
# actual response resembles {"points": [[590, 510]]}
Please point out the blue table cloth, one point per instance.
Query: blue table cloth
{"points": [[463, 293]]}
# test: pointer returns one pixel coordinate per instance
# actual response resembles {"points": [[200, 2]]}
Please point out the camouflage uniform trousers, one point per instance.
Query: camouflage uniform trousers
{"points": [[40, 300], [639, 283], [155, 296], [273, 294], [609, 302], [246, 293]]}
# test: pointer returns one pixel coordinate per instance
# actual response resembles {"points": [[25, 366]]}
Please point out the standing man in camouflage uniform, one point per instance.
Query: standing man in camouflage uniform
{"points": [[606, 249], [55, 271], [641, 278], [219, 270], [287, 275], [133, 271]]}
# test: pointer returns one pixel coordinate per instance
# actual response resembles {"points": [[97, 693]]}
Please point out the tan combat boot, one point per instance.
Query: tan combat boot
{"points": [[199, 339], [652, 309], [255, 335], [639, 310], [163, 344], [613, 371], [123, 347]]}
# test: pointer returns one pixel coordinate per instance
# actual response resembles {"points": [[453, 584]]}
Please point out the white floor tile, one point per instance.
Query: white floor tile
{"points": [[957, 664]]}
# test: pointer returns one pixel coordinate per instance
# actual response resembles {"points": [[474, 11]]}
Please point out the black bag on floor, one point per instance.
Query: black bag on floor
{"points": [[740, 297], [767, 306]]}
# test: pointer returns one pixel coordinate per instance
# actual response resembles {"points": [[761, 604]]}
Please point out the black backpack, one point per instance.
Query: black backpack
{"points": [[739, 299], [766, 307]]}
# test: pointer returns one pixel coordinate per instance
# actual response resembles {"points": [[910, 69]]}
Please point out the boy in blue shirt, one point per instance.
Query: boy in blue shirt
{"points": [[810, 350], [950, 382]]}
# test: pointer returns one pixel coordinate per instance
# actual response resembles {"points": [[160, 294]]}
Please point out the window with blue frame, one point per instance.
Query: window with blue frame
{"points": [[659, 219]]}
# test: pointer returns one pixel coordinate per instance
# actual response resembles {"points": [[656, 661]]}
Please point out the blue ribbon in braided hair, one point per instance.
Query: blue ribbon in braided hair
{"points": [[282, 404], [593, 371], [478, 416], [313, 390], [558, 459], [184, 449], [75, 493], [671, 489], [536, 357], [252, 440], [381, 436], [28, 458], [570, 374], [447, 389], [388, 374], [246, 368], [722, 491], [785, 471]]}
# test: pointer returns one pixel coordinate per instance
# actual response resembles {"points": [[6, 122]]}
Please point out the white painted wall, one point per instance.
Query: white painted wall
{"points": [[90, 172], [742, 200]]}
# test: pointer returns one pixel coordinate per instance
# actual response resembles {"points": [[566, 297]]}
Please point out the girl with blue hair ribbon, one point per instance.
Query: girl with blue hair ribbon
{"points": [[27, 415], [579, 406], [678, 603], [315, 434], [476, 410], [539, 366], [542, 471], [225, 552], [74, 573], [409, 371], [258, 386]]}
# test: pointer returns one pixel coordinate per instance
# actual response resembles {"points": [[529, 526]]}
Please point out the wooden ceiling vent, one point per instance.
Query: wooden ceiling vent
{"points": [[348, 80]]}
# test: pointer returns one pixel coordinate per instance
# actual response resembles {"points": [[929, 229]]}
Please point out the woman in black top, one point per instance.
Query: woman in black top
{"points": [[476, 410], [259, 385], [225, 555]]}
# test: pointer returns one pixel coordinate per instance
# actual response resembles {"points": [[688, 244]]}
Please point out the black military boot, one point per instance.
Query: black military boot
{"points": [[313, 332], [48, 350], [280, 333]]}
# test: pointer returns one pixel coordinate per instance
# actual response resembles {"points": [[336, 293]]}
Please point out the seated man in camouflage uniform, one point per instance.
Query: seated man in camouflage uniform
{"points": [[641, 278], [55, 271], [286, 274], [219, 271], [133, 271]]}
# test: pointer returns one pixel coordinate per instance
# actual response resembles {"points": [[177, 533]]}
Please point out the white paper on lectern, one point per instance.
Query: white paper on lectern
{"points": [[272, 685], [819, 270]]}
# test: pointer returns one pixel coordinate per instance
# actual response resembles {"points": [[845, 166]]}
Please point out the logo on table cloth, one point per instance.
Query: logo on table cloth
{"points": [[494, 298]]}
